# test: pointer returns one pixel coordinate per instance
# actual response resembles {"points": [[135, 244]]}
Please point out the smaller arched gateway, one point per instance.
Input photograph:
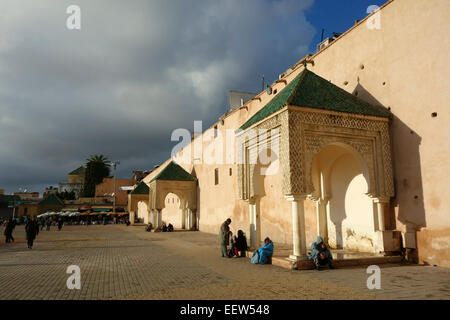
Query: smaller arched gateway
{"points": [[173, 179], [138, 203], [332, 148]]}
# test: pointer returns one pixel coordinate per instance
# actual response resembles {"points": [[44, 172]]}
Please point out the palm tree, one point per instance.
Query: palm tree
{"points": [[97, 168]]}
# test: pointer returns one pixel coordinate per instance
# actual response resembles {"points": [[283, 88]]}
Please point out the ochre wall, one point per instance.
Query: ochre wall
{"points": [[406, 69], [31, 210]]}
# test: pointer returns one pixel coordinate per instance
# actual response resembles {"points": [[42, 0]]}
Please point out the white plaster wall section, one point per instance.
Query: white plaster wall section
{"points": [[351, 211], [142, 211]]}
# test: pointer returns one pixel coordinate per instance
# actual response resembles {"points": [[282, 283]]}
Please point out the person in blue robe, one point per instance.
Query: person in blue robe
{"points": [[320, 254], [264, 254]]}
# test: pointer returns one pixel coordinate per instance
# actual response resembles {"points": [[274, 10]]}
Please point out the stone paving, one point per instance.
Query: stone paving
{"points": [[119, 262]]}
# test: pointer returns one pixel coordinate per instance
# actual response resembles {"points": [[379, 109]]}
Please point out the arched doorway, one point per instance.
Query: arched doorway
{"points": [[174, 187], [173, 212], [142, 212], [346, 216]]}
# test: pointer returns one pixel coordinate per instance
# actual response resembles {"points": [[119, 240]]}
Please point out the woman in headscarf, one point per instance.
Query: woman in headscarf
{"points": [[240, 243], [264, 254], [320, 254]]}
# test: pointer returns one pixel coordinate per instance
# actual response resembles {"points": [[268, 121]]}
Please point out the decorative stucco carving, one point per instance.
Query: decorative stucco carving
{"points": [[303, 134]]}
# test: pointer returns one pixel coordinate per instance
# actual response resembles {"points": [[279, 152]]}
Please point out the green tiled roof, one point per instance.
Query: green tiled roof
{"points": [[78, 171], [310, 90], [142, 188], [52, 200], [174, 172]]}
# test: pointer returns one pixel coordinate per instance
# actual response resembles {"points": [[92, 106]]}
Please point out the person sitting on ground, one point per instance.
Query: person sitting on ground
{"points": [[149, 227], [170, 228], [232, 252], [320, 254], [163, 227], [264, 254], [240, 244]]}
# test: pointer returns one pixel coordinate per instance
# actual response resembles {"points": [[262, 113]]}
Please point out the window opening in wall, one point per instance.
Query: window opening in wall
{"points": [[216, 176]]}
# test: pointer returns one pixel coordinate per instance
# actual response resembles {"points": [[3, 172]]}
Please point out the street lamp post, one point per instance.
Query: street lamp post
{"points": [[115, 164], [14, 207]]}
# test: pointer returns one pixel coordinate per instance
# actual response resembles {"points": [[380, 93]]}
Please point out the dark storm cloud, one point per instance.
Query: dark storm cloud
{"points": [[134, 72]]}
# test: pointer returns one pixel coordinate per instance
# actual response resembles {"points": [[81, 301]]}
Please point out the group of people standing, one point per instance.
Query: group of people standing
{"points": [[225, 236], [48, 223], [32, 228], [320, 253]]}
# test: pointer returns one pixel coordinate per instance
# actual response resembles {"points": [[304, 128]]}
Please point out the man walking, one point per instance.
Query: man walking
{"points": [[224, 237], [9, 227], [60, 223], [31, 230]]}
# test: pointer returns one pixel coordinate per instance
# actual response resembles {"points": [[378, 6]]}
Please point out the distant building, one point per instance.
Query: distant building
{"points": [[51, 203], [50, 190], [2, 191], [105, 189], [138, 175], [75, 182], [6, 205], [28, 208], [27, 195]]}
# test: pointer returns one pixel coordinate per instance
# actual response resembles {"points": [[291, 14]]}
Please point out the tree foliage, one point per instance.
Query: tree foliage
{"points": [[97, 168]]}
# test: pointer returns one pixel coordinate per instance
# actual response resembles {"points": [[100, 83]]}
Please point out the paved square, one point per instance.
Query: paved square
{"points": [[119, 262]]}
